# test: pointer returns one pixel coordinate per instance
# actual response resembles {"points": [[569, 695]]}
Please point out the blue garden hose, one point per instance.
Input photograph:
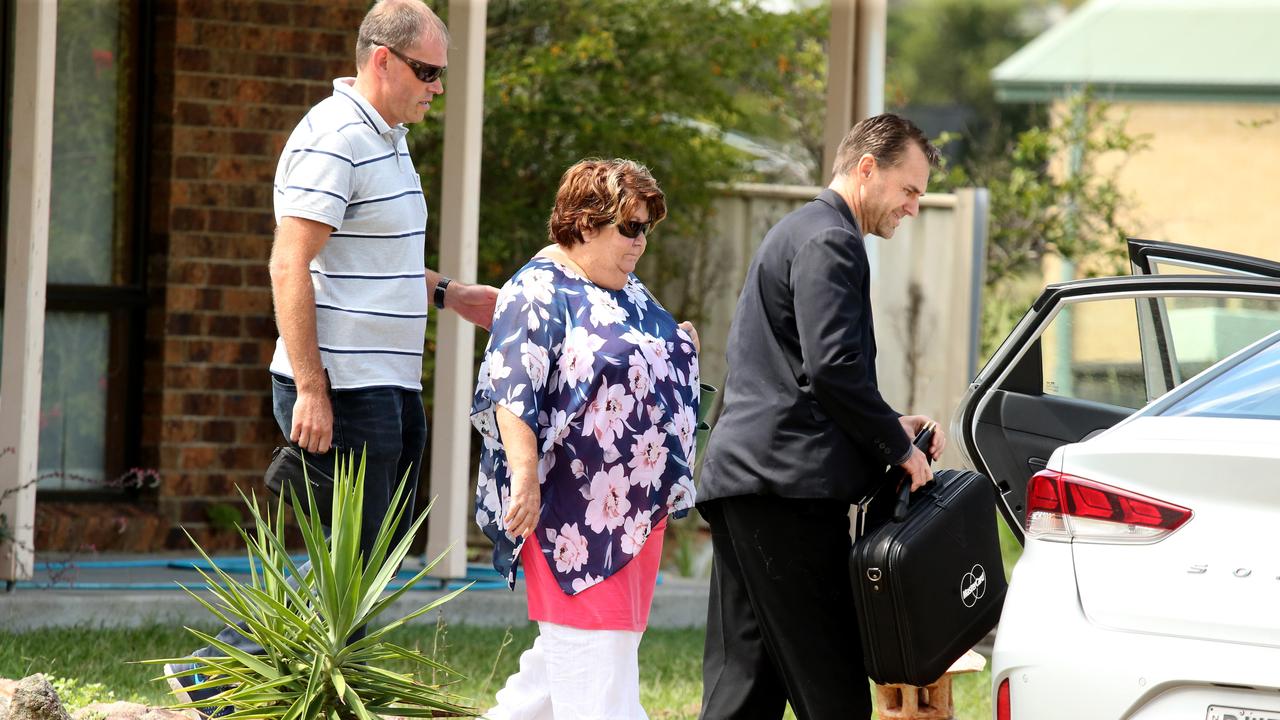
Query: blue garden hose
{"points": [[481, 577]]}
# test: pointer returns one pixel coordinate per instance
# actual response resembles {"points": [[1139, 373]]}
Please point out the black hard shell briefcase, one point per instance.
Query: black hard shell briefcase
{"points": [[928, 588]]}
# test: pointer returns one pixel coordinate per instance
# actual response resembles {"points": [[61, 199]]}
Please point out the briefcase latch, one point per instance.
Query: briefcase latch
{"points": [[873, 574]]}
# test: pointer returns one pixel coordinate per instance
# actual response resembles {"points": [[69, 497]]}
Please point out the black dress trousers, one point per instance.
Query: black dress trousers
{"points": [[780, 623]]}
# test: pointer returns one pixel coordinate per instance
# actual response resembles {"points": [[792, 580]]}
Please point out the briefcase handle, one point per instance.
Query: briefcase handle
{"points": [[922, 441], [903, 500]]}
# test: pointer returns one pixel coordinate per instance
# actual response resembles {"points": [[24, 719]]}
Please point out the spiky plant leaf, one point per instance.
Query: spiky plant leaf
{"points": [[303, 620]]}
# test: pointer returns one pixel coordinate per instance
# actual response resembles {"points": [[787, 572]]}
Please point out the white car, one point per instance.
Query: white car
{"points": [[1149, 586]]}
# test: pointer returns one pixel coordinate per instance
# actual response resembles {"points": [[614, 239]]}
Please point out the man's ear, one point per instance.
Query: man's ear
{"points": [[378, 59], [866, 166]]}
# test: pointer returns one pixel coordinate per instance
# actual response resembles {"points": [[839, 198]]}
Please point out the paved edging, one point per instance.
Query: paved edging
{"points": [[677, 603]]}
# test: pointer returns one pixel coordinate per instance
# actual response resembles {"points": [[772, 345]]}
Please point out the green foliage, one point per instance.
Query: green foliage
{"points": [[1010, 547], [628, 78], [1004, 301], [1075, 212], [75, 693], [670, 662], [782, 94], [223, 516], [619, 78], [681, 543], [1054, 190], [941, 53], [310, 668]]}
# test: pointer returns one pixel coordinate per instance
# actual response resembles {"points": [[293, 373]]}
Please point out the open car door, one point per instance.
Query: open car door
{"points": [[1153, 257], [1091, 352]]}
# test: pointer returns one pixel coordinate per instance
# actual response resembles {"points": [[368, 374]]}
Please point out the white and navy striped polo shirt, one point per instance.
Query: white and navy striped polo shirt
{"points": [[345, 167]]}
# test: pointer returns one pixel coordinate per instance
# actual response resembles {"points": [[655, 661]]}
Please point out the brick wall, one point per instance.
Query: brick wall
{"points": [[232, 78]]}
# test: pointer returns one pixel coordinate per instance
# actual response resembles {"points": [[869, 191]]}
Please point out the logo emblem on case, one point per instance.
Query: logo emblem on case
{"points": [[973, 586]]}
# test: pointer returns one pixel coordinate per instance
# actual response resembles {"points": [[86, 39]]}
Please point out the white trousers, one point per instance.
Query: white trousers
{"points": [[573, 674]]}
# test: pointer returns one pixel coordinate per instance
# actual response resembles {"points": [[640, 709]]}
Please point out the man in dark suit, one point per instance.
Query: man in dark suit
{"points": [[803, 434]]}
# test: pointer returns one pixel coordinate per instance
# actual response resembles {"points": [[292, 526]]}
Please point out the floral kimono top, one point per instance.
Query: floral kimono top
{"points": [[609, 385]]}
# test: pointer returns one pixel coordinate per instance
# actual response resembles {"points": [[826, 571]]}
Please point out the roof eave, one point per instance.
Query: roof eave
{"points": [[1042, 91]]}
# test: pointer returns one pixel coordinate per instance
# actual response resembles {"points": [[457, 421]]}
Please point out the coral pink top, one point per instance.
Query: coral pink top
{"points": [[619, 602]]}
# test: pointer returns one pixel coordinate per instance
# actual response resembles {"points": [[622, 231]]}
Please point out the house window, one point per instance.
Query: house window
{"points": [[95, 297]]}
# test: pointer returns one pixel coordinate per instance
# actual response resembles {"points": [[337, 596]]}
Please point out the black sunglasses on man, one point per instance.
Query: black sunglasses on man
{"points": [[426, 72]]}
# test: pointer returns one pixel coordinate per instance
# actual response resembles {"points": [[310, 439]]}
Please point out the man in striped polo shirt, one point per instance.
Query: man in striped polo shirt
{"points": [[347, 272]]}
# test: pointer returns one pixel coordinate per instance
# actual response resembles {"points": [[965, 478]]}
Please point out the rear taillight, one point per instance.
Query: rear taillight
{"points": [[1066, 507], [1002, 701]]}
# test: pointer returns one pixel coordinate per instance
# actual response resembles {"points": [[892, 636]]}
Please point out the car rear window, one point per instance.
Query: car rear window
{"points": [[1248, 389]]}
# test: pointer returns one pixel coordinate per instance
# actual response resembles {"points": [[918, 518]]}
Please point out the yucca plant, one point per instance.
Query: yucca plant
{"points": [[311, 668]]}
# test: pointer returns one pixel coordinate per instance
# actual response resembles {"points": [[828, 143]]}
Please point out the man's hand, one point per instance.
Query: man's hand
{"points": [[475, 303], [525, 505], [913, 424], [917, 468], [312, 421], [692, 333]]}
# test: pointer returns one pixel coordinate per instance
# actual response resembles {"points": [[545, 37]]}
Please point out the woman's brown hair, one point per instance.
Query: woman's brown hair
{"points": [[595, 193]]}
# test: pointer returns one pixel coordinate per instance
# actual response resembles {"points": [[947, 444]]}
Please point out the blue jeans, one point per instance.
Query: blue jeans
{"points": [[390, 426], [386, 423]]}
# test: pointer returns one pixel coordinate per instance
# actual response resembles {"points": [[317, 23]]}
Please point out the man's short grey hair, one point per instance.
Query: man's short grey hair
{"points": [[397, 24]]}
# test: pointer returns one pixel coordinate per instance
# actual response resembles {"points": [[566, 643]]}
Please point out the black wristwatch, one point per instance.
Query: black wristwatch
{"points": [[440, 288]]}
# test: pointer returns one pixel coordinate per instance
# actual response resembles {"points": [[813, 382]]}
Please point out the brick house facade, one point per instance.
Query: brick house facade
{"points": [[230, 79]]}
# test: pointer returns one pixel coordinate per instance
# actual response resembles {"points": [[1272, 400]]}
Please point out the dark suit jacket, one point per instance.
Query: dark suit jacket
{"points": [[802, 416]]}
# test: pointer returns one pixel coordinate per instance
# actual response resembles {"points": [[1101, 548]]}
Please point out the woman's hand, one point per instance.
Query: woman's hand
{"points": [[693, 334], [525, 505]]}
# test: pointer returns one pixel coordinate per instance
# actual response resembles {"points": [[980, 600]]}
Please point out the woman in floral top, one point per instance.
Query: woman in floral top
{"points": [[587, 401]]}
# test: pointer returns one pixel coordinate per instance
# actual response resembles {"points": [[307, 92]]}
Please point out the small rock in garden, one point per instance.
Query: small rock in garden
{"points": [[35, 699], [127, 711]]}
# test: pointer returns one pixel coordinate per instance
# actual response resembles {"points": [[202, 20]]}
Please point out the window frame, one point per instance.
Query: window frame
{"points": [[124, 303]]}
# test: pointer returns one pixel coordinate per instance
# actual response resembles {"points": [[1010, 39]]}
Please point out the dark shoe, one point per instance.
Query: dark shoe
{"points": [[183, 685]]}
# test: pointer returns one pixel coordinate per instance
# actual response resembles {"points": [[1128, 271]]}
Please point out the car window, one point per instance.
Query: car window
{"points": [[1249, 389], [1205, 330], [1161, 266], [1091, 351]]}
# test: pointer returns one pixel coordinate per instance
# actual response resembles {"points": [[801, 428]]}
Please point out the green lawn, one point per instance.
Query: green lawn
{"points": [[670, 663]]}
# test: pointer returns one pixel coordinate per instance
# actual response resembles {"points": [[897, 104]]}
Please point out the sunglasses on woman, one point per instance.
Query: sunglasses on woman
{"points": [[425, 72], [632, 228]]}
